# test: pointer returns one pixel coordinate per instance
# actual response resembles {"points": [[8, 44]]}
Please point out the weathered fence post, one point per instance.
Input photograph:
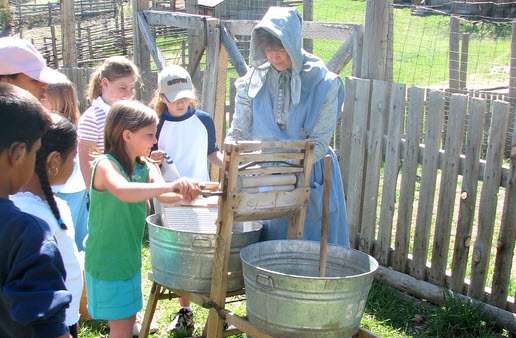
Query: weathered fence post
{"points": [[463, 71], [454, 56], [433, 126], [142, 53], [192, 7], [488, 199], [308, 15], [68, 33], [512, 75], [377, 41], [468, 198], [506, 237]]}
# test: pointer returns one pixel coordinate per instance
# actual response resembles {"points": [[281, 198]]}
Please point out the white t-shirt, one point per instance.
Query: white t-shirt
{"points": [[73, 261], [188, 139]]}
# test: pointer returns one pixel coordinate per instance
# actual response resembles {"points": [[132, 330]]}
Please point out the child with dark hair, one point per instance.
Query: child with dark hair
{"points": [[33, 295], [54, 165]]}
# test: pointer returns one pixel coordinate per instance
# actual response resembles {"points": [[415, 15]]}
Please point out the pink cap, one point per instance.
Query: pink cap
{"points": [[20, 56]]}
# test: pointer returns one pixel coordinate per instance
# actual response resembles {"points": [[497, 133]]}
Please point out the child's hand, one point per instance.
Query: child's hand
{"points": [[157, 156], [187, 187]]}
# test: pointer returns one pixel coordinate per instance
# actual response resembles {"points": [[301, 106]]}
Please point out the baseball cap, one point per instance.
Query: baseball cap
{"points": [[175, 83], [20, 56]]}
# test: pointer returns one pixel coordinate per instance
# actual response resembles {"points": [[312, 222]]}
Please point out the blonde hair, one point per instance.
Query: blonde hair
{"points": [[63, 100], [113, 68], [125, 115], [160, 106]]}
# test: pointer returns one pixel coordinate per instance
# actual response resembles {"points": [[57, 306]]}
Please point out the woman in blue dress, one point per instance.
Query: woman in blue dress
{"points": [[289, 94]]}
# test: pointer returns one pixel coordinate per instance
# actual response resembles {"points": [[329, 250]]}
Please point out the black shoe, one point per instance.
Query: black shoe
{"points": [[183, 321]]}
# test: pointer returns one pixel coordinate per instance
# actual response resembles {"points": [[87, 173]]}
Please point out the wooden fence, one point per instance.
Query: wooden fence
{"points": [[425, 230], [28, 14]]}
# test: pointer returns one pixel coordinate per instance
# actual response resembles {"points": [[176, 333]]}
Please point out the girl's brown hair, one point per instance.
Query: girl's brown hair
{"points": [[63, 98], [113, 68], [125, 115], [160, 106]]}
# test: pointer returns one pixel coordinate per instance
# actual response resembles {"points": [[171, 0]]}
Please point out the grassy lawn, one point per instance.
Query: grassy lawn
{"points": [[388, 313], [421, 45]]}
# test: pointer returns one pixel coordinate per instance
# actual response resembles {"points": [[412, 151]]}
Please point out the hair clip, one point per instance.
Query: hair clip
{"points": [[61, 223]]}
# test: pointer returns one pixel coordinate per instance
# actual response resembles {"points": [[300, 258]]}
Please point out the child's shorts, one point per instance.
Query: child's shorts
{"points": [[113, 299]]}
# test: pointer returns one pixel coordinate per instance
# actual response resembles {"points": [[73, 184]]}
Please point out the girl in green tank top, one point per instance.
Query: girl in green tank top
{"points": [[122, 182]]}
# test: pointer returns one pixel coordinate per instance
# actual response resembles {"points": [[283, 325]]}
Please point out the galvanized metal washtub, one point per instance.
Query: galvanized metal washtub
{"points": [[286, 298], [182, 251]]}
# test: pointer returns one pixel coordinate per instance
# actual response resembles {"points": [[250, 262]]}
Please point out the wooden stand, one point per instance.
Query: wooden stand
{"points": [[243, 159]]}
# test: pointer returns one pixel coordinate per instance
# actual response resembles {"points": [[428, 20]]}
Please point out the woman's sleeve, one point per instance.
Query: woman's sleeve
{"points": [[243, 116], [326, 123]]}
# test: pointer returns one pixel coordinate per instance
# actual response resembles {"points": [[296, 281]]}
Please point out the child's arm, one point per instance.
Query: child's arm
{"points": [[108, 177], [183, 184], [216, 158]]}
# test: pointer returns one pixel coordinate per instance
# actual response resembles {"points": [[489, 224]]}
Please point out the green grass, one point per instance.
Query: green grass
{"points": [[388, 313], [421, 45]]}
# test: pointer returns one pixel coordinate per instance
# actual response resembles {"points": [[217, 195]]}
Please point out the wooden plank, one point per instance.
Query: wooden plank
{"points": [[215, 324], [308, 15], [433, 125], [342, 56], [209, 83], [311, 29], [358, 33], [267, 180], [390, 177], [244, 325], [196, 53], [220, 101], [512, 71], [468, 200], [346, 130], [454, 56], [463, 72], [271, 157], [265, 202], [375, 39], [142, 55], [434, 294], [68, 33], [357, 156], [506, 237], [159, 60], [175, 19], [232, 49], [271, 170], [256, 145], [373, 159], [488, 199], [150, 309], [448, 188]]}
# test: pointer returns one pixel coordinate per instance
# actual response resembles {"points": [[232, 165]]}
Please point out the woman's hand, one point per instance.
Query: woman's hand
{"points": [[157, 156], [188, 188]]}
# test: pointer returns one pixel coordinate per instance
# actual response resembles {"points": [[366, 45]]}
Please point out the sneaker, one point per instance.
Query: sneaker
{"points": [[182, 321]]}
